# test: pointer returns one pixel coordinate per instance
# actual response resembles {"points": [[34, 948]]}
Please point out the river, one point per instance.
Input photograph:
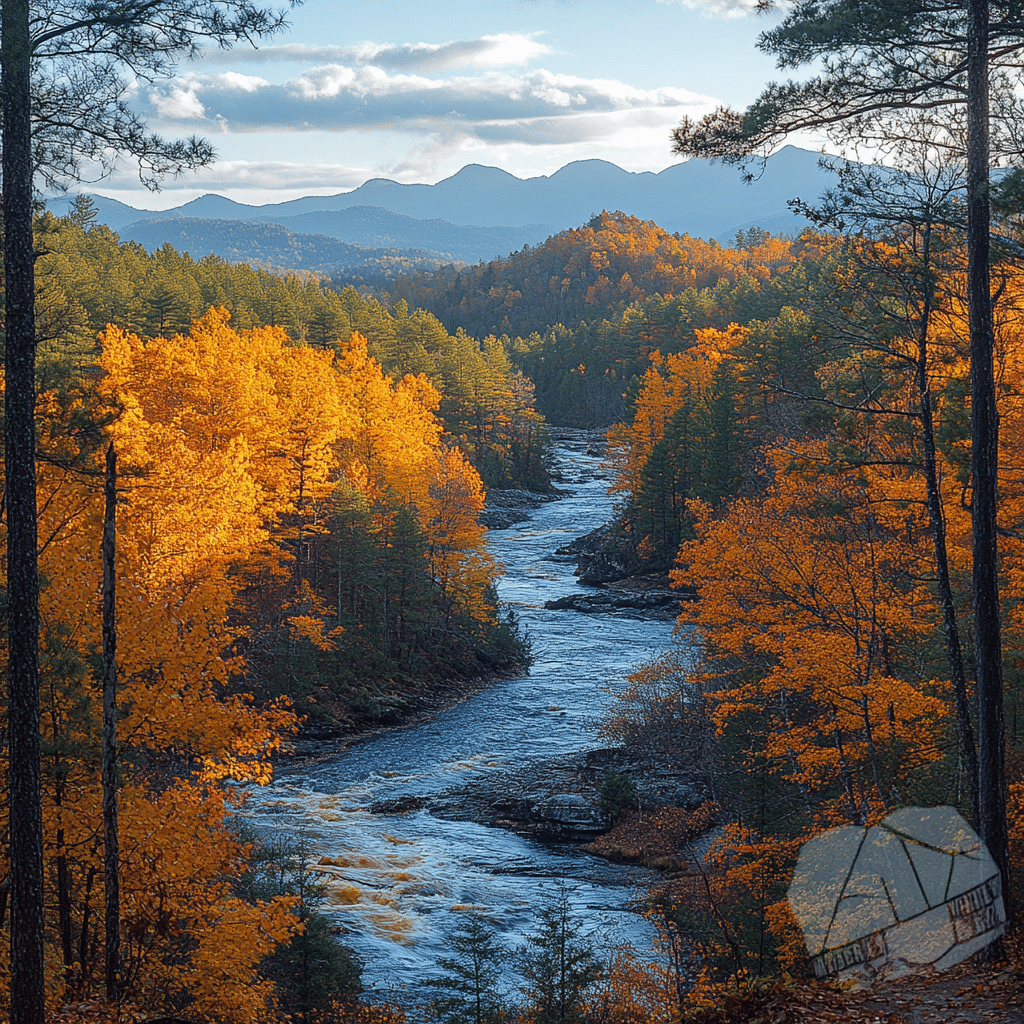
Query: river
{"points": [[398, 881]]}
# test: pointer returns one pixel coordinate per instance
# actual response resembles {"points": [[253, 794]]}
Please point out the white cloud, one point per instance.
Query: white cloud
{"points": [[718, 8], [177, 103], [247, 83], [337, 98], [260, 168], [501, 50]]}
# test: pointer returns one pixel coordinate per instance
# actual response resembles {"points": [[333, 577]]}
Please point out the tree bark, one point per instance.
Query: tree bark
{"points": [[950, 629], [27, 978], [111, 846], [984, 455]]}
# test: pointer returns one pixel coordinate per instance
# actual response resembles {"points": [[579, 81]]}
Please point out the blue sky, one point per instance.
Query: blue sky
{"points": [[415, 89]]}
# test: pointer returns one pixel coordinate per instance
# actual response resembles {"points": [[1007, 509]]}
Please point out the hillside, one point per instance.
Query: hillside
{"points": [[272, 246], [375, 227], [580, 274], [314, 238]]}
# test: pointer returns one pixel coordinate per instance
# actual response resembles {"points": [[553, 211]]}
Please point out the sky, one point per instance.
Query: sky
{"points": [[413, 90]]}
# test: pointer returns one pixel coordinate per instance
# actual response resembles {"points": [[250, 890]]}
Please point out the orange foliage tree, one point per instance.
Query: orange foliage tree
{"points": [[826, 667], [232, 446], [191, 510]]}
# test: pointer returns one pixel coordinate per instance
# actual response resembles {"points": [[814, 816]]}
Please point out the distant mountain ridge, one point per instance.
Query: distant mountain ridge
{"points": [[366, 227], [481, 213], [275, 247]]}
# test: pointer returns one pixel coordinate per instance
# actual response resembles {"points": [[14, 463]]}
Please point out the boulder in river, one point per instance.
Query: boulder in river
{"points": [[572, 811], [662, 602]]}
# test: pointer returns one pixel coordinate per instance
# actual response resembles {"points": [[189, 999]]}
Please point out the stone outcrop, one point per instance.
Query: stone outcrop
{"points": [[557, 800], [505, 508], [601, 556], [570, 810], [660, 603]]}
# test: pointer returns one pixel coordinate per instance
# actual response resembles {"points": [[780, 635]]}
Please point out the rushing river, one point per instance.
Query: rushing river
{"points": [[397, 883]]}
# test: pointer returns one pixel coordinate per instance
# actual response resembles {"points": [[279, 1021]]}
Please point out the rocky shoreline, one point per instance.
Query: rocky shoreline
{"points": [[505, 508], [557, 802], [660, 604], [309, 747], [607, 564]]}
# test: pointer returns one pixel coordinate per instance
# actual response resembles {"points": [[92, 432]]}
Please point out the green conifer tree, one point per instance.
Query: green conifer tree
{"points": [[472, 976], [559, 966]]}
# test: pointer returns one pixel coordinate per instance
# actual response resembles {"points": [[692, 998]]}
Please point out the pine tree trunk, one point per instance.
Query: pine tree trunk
{"points": [[26, 831], [950, 628], [984, 454], [111, 846]]}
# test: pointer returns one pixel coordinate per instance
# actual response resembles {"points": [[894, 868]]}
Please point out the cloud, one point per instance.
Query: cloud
{"points": [[494, 51], [252, 181], [718, 8], [340, 98], [224, 175]]}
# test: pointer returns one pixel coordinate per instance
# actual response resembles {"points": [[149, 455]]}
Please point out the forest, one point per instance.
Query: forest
{"points": [[243, 509], [301, 476], [298, 547], [302, 466], [808, 479]]}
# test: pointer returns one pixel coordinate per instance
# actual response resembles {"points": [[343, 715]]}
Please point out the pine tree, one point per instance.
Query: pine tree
{"points": [[312, 968], [558, 965], [472, 975], [883, 66]]}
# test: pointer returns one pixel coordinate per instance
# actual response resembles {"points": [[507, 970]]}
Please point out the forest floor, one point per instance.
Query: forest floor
{"points": [[968, 993], [671, 839]]}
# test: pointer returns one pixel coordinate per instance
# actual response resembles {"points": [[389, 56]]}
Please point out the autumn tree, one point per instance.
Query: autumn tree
{"points": [[686, 440], [879, 63], [91, 279], [818, 680], [173, 593], [895, 323], [73, 110]]}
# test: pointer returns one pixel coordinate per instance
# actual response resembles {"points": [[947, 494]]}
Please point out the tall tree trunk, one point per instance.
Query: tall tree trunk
{"points": [[950, 628], [111, 846], [26, 830], [984, 454], [84, 981], [64, 904]]}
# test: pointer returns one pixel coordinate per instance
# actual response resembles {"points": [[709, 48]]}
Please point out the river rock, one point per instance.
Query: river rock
{"points": [[603, 567], [571, 810], [506, 507], [602, 556], [663, 603]]}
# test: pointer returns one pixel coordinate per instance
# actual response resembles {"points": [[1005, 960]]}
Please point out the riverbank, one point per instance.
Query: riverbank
{"points": [[334, 726], [418, 707], [507, 507], [650, 595]]}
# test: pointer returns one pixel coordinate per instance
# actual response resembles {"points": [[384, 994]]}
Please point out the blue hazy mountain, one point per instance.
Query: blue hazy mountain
{"points": [[482, 212]]}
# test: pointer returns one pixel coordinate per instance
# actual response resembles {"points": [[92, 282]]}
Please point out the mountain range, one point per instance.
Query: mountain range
{"points": [[478, 214]]}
